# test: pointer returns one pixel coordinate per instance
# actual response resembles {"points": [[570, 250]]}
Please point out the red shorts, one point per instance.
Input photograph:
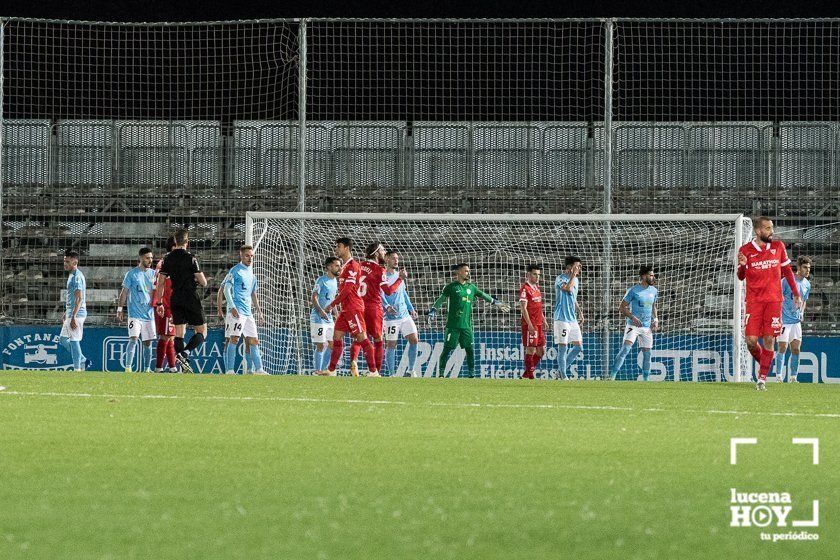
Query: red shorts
{"points": [[763, 319], [373, 320], [535, 339], [163, 325], [351, 321]]}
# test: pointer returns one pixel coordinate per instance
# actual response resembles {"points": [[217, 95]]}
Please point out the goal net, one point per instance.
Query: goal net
{"points": [[699, 301]]}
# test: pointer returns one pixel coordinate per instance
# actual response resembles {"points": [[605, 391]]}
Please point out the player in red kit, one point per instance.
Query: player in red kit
{"points": [[533, 333], [371, 287], [762, 263], [351, 318], [163, 317]]}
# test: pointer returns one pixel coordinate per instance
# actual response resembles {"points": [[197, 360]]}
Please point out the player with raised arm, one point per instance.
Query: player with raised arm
{"points": [[399, 317], [72, 328], [137, 289], [240, 292], [321, 321], [460, 296], [163, 317], [371, 288], [182, 268], [763, 262], [351, 317], [533, 333], [568, 315], [639, 306], [792, 320]]}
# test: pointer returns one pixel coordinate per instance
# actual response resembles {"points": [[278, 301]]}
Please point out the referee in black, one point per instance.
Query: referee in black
{"points": [[182, 268]]}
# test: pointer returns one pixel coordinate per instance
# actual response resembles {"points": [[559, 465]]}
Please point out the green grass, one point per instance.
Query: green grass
{"points": [[288, 467]]}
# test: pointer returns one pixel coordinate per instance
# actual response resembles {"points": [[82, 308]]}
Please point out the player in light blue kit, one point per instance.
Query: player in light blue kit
{"points": [[321, 321], [568, 316], [399, 318], [792, 320], [72, 328], [240, 292], [639, 306], [137, 287]]}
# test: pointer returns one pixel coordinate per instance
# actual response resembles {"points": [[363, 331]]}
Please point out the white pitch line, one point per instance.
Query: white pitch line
{"points": [[606, 408]]}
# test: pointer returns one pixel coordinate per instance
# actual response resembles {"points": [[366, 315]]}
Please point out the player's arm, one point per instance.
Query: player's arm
{"points": [[347, 288], [408, 305], [438, 302], [655, 320], [490, 299], [523, 308], [219, 296], [255, 301], [227, 286], [742, 265], [316, 305], [389, 289], [579, 310], [569, 286], [624, 309], [121, 303]]}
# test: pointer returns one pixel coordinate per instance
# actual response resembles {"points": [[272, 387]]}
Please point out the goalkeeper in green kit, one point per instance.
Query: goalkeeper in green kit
{"points": [[459, 328]]}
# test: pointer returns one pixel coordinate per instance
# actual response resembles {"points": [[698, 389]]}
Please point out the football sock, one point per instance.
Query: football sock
{"points": [[230, 357], [256, 357], [572, 355], [391, 360], [412, 357], [794, 366], [337, 350], [170, 352], [619, 360], [325, 357], [470, 350], [196, 341], [76, 353], [179, 344], [779, 364], [379, 354], [646, 364], [160, 352], [370, 354], [130, 348], [562, 357]]}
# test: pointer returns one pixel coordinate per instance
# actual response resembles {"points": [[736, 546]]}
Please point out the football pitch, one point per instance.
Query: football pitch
{"points": [[145, 466]]}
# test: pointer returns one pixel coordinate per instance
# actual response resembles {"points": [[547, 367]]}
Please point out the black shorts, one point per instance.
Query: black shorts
{"points": [[186, 310]]}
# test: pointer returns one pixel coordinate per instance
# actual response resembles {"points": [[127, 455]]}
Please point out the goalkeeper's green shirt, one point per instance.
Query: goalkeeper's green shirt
{"points": [[460, 304]]}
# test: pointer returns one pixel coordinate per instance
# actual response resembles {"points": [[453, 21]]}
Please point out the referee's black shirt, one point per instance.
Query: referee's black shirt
{"points": [[180, 266]]}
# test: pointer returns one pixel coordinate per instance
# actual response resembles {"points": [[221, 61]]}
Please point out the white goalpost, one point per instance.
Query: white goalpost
{"points": [[699, 304]]}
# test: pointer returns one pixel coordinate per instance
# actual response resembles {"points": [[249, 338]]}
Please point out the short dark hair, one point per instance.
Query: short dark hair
{"points": [[346, 241], [181, 236], [645, 269], [533, 267], [459, 266], [570, 260], [245, 248], [371, 248], [143, 251], [71, 254], [760, 220], [390, 252], [803, 260], [329, 260], [170, 243]]}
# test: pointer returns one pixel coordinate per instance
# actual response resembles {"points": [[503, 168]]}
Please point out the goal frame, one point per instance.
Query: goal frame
{"points": [[737, 221]]}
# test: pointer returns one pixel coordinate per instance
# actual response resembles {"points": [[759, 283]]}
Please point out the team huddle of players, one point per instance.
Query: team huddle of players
{"points": [[368, 300]]}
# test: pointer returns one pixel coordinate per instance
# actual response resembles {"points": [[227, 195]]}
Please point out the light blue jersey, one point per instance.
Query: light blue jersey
{"points": [[326, 289], [790, 313], [140, 284], [399, 300], [641, 302], [76, 281], [243, 285], [565, 302]]}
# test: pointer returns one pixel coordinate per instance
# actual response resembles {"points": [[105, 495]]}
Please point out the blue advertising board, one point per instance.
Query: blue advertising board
{"points": [[498, 355]]}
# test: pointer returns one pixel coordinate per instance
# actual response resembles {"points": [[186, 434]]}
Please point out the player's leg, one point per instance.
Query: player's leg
{"points": [[340, 328], [465, 339], [630, 335], [249, 330], [770, 328], [318, 336], [75, 342], [753, 321], [528, 372], [148, 333], [133, 342], [645, 346], [230, 354], [373, 326], [575, 347], [409, 331], [781, 351], [795, 346], [561, 339], [392, 336], [450, 342], [539, 344]]}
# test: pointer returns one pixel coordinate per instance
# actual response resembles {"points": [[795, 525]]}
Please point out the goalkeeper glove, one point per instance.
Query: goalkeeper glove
{"points": [[431, 316], [501, 305]]}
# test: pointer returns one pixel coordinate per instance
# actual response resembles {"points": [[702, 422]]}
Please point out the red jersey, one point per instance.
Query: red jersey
{"points": [[167, 287], [372, 281], [764, 270], [531, 295], [348, 287]]}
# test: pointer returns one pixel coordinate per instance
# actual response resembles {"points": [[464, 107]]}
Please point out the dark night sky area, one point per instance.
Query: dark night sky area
{"points": [[156, 10]]}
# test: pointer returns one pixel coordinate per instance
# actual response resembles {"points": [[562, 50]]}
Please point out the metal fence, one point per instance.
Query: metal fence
{"points": [[112, 134]]}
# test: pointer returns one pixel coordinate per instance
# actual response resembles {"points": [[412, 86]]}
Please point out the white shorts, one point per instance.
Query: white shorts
{"points": [[244, 325], [790, 333], [144, 330], [397, 327], [566, 332], [321, 332], [644, 334], [73, 334]]}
